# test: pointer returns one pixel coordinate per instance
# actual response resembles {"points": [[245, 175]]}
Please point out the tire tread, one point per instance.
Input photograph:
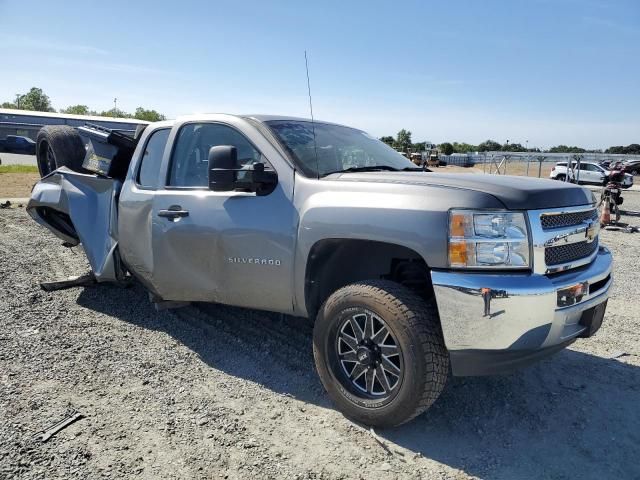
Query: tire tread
{"points": [[423, 320], [68, 147]]}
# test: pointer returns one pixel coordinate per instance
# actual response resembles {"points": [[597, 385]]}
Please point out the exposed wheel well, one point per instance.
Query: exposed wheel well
{"points": [[334, 263]]}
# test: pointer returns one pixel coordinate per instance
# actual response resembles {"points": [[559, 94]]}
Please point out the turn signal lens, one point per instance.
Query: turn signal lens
{"points": [[458, 253], [456, 225]]}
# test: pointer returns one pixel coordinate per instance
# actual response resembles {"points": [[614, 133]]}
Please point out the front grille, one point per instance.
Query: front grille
{"points": [[558, 220], [568, 253]]}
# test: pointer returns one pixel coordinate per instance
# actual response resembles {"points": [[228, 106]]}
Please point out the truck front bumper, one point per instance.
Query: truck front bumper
{"points": [[497, 322]]}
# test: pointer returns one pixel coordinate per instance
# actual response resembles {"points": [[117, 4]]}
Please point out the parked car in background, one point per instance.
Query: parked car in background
{"points": [[605, 164], [18, 144], [632, 167], [591, 173]]}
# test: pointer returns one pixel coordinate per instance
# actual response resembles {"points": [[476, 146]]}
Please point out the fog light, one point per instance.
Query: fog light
{"points": [[573, 294]]}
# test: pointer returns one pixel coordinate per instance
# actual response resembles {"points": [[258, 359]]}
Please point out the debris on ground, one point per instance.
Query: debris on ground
{"points": [[62, 424]]}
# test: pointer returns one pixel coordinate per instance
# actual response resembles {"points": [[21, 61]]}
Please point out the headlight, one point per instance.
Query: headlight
{"points": [[481, 239]]}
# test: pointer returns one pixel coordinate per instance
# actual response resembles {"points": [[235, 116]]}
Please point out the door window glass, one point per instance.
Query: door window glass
{"points": [[190, 159], [151, 159]]}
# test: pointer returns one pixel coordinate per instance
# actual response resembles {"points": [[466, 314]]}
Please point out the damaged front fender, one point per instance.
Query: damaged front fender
{"points": [[81, 209]]}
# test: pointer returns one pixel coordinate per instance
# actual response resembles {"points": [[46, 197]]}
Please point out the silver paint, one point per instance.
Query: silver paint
{"points": [[530, 303], [92, 204], [201, 257]]}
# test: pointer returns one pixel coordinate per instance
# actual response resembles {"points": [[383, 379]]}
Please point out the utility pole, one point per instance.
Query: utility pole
{"points": [[115, 106], [18, 98]]}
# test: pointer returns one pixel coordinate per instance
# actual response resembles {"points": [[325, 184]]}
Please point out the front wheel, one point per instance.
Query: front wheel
{"points": [[379, 352]]}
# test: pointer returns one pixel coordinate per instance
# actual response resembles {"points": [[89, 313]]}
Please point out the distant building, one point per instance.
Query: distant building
{"points": [[27, 123]]}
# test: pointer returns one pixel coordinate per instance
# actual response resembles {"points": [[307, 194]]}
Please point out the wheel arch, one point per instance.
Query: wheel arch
{"points": [[335, 262]]}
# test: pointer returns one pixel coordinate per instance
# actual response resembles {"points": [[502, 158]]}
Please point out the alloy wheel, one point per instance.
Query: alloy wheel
{"points": [[369, 355]]}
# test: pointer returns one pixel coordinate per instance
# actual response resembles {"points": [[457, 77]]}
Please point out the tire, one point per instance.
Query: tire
{"points": [[422, 361], [561, 177], [59, 146]]}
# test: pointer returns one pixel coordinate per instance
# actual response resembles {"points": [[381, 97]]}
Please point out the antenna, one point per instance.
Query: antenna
{"points": [[313, 126]]}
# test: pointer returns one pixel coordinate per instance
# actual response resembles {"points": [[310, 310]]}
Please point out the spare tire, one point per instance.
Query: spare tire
{"points": [[59, 146]]}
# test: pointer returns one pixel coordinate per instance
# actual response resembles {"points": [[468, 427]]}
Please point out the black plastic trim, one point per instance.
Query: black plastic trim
{"points": [[466, 363]]}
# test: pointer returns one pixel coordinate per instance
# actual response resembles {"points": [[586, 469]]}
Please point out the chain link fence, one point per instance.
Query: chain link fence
{"points": [[531, 164]]}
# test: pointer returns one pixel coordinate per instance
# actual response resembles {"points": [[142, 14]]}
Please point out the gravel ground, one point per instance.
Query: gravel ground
{"points": [[221, 392]]}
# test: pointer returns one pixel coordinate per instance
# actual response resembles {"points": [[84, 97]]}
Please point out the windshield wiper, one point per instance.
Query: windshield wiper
{"points": [[371, 168], [378, 168]]}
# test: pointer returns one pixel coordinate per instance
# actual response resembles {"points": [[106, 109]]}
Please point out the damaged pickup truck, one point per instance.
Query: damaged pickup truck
{"points": [[408, 274]]}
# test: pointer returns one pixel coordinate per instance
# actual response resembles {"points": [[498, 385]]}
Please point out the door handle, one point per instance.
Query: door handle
{"points": [[173, 212]]}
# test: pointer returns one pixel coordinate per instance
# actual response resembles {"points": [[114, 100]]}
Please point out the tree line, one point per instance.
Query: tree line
{"points": [[36, 100], [402, 142]]}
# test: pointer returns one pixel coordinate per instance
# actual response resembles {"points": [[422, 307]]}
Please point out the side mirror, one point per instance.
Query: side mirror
{"points": [[226, 176], [264, 181], [223, 164]]}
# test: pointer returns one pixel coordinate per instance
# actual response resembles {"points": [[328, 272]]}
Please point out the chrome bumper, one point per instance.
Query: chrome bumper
{"points": [[522, 319]]}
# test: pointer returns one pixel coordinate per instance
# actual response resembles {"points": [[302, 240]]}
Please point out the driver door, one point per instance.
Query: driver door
{"points": [[227, 247]]}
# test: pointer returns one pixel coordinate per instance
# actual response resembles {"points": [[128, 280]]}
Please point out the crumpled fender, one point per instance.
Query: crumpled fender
{"points": [[91, 204]]}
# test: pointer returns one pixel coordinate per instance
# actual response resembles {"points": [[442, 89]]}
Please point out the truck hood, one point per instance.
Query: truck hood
{"points": [[517, 193]]}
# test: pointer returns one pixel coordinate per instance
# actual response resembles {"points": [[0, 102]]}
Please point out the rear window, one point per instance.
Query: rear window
{"points": [[151, 159]]}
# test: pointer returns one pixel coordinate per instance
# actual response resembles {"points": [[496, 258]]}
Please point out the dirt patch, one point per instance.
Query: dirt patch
{"points": [[219, 392], [14, 185]]}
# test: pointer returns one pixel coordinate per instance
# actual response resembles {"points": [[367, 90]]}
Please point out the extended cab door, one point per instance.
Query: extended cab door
{"points": [[228, 247], [135, 215]]}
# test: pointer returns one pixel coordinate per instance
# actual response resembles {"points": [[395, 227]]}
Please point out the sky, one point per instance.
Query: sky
{"points": [[537, 72]]}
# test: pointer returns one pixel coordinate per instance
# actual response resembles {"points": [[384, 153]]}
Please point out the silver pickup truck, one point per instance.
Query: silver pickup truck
{"points": [[409, 275]]}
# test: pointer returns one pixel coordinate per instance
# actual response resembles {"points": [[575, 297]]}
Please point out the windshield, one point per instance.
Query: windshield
{"points": [[337, 148]]}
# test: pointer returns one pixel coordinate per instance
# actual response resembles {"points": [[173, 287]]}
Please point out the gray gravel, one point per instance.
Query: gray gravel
{"points": [[220, 392]]}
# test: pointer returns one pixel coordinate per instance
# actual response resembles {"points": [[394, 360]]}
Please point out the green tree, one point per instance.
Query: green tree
{"points": [[566, 149], [446, 148], [464, 147], [403, 140], [36, 100], [148, 115], [513, 147], [76, 110], [389, 140], [419, 147], [633, 149], [489, 146], [115, 113], [8, 105]]}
